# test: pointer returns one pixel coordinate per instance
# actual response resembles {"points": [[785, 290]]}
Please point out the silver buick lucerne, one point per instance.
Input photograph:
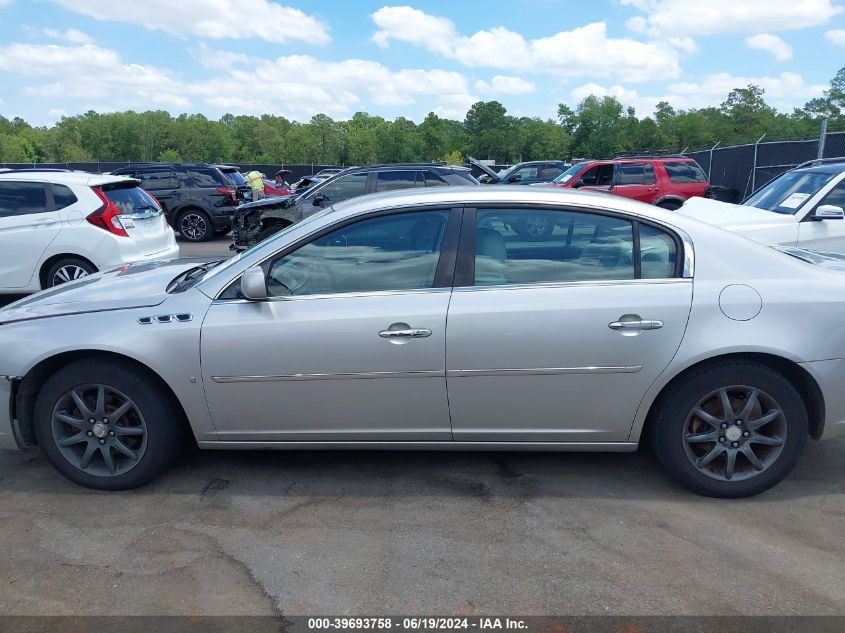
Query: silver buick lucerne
{"points": [[421, 319]]}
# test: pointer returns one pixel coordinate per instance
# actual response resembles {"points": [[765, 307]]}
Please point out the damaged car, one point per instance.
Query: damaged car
{"points": [[256, 221]]}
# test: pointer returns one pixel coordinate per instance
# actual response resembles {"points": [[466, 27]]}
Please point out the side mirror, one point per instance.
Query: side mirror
{"points": [[319, 199], [254, 284], [829, 212], [578, 183], [515, 178]]}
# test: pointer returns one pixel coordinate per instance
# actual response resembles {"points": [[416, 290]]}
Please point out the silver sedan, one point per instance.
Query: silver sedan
{"points": [[424, 319]]}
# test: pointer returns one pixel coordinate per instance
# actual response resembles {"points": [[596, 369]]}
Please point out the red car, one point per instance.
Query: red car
{"points": [[666, 181]]}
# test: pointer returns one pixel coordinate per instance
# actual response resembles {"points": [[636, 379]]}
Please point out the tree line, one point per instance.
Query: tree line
{"points": [[597, 127]]}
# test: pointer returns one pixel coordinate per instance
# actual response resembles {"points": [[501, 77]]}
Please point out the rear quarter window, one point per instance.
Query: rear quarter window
{"points": [[62, 196], [684, 172]]}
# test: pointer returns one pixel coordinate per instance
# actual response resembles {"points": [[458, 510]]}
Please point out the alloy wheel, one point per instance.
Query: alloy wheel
{"points": [[99, 430], [734, 433], [71, 272], [192, 226]]}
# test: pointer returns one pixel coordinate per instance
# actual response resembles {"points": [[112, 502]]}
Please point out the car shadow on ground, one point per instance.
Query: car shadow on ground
{"points": [[484, 476]]}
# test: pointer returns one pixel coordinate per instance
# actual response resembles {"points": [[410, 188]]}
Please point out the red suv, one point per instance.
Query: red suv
{"points": [[665, 181]]}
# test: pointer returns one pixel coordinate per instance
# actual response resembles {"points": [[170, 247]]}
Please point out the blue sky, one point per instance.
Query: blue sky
{"points": [[292, 58]]}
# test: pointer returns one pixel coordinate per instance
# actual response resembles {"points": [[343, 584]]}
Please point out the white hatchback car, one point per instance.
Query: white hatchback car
{"points": [[57, 226]]}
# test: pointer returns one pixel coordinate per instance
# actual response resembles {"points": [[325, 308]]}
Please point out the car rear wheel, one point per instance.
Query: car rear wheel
{"points": [[106, 425], [66, 270], [730, 430], [195, 226]]}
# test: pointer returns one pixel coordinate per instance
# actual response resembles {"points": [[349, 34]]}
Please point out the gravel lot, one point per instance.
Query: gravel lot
{"points": [[371, 533]]}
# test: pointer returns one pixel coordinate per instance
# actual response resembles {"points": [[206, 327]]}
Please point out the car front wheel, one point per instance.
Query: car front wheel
{"points": [[106, 425], [730, 430]]}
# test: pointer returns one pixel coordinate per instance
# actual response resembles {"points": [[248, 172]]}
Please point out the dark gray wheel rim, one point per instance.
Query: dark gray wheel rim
{"points": [[99, 430], [71, 272], [192, 226], [734, 433], [536, 226]]}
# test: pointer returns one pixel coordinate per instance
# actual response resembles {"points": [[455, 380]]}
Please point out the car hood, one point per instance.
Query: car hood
{"points": [[734, 217], [484, 168], [270, 202], [130, 286], [830, 261]]}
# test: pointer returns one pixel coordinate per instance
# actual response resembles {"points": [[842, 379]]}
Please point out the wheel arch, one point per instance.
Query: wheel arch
{"points": [[28, 386], [42, 271], [809, 390]]}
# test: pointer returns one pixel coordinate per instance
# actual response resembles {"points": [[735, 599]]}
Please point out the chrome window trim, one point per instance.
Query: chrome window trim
{"points": [[337, 295], [576, 284]]}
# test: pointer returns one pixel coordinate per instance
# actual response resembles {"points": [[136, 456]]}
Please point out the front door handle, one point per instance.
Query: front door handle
{"points": [[641, 324], [407, 333]]}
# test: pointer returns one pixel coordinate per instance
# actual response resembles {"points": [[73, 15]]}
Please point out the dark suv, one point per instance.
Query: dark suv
{"points": [[256, 221], [198, 198]]}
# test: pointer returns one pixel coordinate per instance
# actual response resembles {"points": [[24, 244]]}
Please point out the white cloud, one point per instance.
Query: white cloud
{"points": [[772, 44], [74, 36], [784, 91], [500, 84], [70, 75], [571, 53], [218, 60], [836, 36], [214, 19], [678, 18]]}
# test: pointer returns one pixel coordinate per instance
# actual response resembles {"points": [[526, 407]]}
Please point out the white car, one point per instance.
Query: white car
{"points": [[57, 226], [804, 208]]}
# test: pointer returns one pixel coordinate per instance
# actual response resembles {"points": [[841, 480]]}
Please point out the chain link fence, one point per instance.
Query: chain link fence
{"points": [[739, 170]]}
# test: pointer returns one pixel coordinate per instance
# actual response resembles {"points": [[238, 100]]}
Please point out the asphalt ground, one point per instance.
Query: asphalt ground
{"points": [[299, 533]]}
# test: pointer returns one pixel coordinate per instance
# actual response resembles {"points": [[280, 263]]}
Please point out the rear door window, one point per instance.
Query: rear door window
{"points": [[389, 180], [684, 172], [22, 198], [157, 180], [207, 177]]}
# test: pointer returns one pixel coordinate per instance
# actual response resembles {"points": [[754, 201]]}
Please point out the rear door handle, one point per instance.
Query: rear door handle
{"points": [[409, 333], [642, 324]]}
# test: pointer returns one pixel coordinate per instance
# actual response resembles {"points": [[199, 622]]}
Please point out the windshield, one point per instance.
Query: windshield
{"points": [[570, 173], [788, 192]]}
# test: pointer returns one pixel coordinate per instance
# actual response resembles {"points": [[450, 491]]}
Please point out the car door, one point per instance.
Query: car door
{"points": [[558, 340], [161, 183], [599, 177], [350, 345], [824, 235], [28, 224], [636, 181]]}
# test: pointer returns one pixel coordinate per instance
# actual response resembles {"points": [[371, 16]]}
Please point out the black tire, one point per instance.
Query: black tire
{"points": [[670, 205], [71, 267], [270, 230], [674, 419], [194, 225], [155, 450]]}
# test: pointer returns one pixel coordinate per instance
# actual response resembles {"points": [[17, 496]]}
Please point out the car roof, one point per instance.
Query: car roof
{"points": [[65, 177], [506, 194], [640, 159]]}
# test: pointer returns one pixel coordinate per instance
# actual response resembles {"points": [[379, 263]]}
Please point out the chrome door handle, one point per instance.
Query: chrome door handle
{"points": [[636, 325], [409, 333]]}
